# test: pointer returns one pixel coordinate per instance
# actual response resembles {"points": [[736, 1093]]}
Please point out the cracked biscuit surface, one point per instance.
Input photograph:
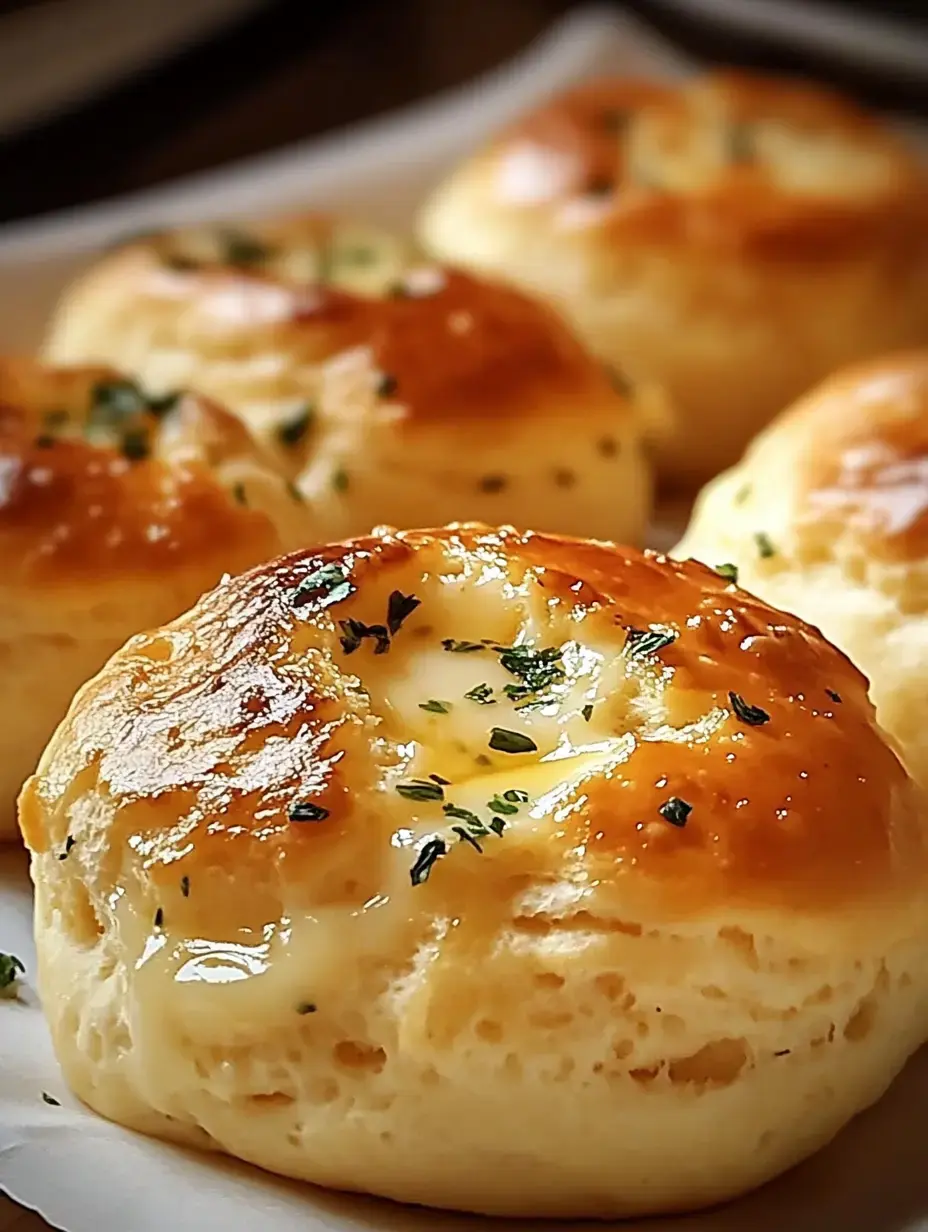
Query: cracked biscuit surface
{"points": [[482, 869]]}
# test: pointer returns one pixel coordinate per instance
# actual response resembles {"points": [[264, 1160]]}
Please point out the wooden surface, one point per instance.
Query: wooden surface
{"points": [[14, 1218]]}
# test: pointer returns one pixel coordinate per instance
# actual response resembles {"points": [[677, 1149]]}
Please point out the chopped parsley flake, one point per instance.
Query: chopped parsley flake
{"points": [[676, 811], [764, 547], [135, 446], [68, 844], [399, 606], [306, 1007], [587, 712], [292, 430], [492, 483], [159, 917], [754, 716], [420, 789], [434, 706], [639, 643], [431, 851], [330, 581], [498, 805], [835, 697], [239, 494], [50, 1099], [436, 778], [729, 572], [241, 249], [505, 741], [459, 647], [185, 886], [386, 386], [481, 693], [354, 632], [307, 811]]}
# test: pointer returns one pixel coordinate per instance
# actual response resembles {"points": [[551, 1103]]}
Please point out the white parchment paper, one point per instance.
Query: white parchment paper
{"points": [[85, 1175]]}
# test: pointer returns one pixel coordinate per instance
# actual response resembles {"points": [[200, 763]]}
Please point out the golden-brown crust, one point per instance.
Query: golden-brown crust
{"points": [[699, 165], [89, 493], [450, 345], [209, 730], [860, 443]]}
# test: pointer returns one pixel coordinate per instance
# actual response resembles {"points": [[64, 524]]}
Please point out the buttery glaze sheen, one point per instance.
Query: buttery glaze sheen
{"points": [[703, 164], [74, 506], [862, 444], [207, 732], [451, 346]]}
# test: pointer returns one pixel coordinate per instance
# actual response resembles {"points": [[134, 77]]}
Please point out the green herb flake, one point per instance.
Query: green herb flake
{"points": [[420, 789], [536, 669], [507, 807], [430, 852], [436, 778], [355, 632], [676, 811], [387, 385], [729, 572], [135, 445], [506, 741], [340, 480], [11, 968], [306, 811], [399, 607], [764, 547], [68, 844], [481, 693], [753, 716], [835, 697], [641, 643], [330, 582], [306, 1007], [159, 917], [461, 647], [515, 795], [292, 430], [433, 706], [492, 483], [241, 249], [185, 886], [587, 712], [50, 1099]]}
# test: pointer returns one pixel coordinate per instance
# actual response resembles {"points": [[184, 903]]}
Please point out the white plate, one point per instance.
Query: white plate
{"points": [[86, 1175]]}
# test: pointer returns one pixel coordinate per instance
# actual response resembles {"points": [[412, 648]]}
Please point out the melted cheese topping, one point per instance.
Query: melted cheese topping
{"points": [[735, 763]]}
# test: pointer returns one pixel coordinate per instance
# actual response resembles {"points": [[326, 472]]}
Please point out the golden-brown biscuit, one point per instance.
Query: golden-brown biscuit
{"points": [[237, 311], [724, 243], [116, 512], [422, 396], [827, 516], [481, 869]]}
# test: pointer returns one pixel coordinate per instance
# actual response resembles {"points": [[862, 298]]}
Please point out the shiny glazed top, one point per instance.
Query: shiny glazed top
{"points": [[727, 158], [260, 750], [99, 481], [442, 344], [861, 444]]}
